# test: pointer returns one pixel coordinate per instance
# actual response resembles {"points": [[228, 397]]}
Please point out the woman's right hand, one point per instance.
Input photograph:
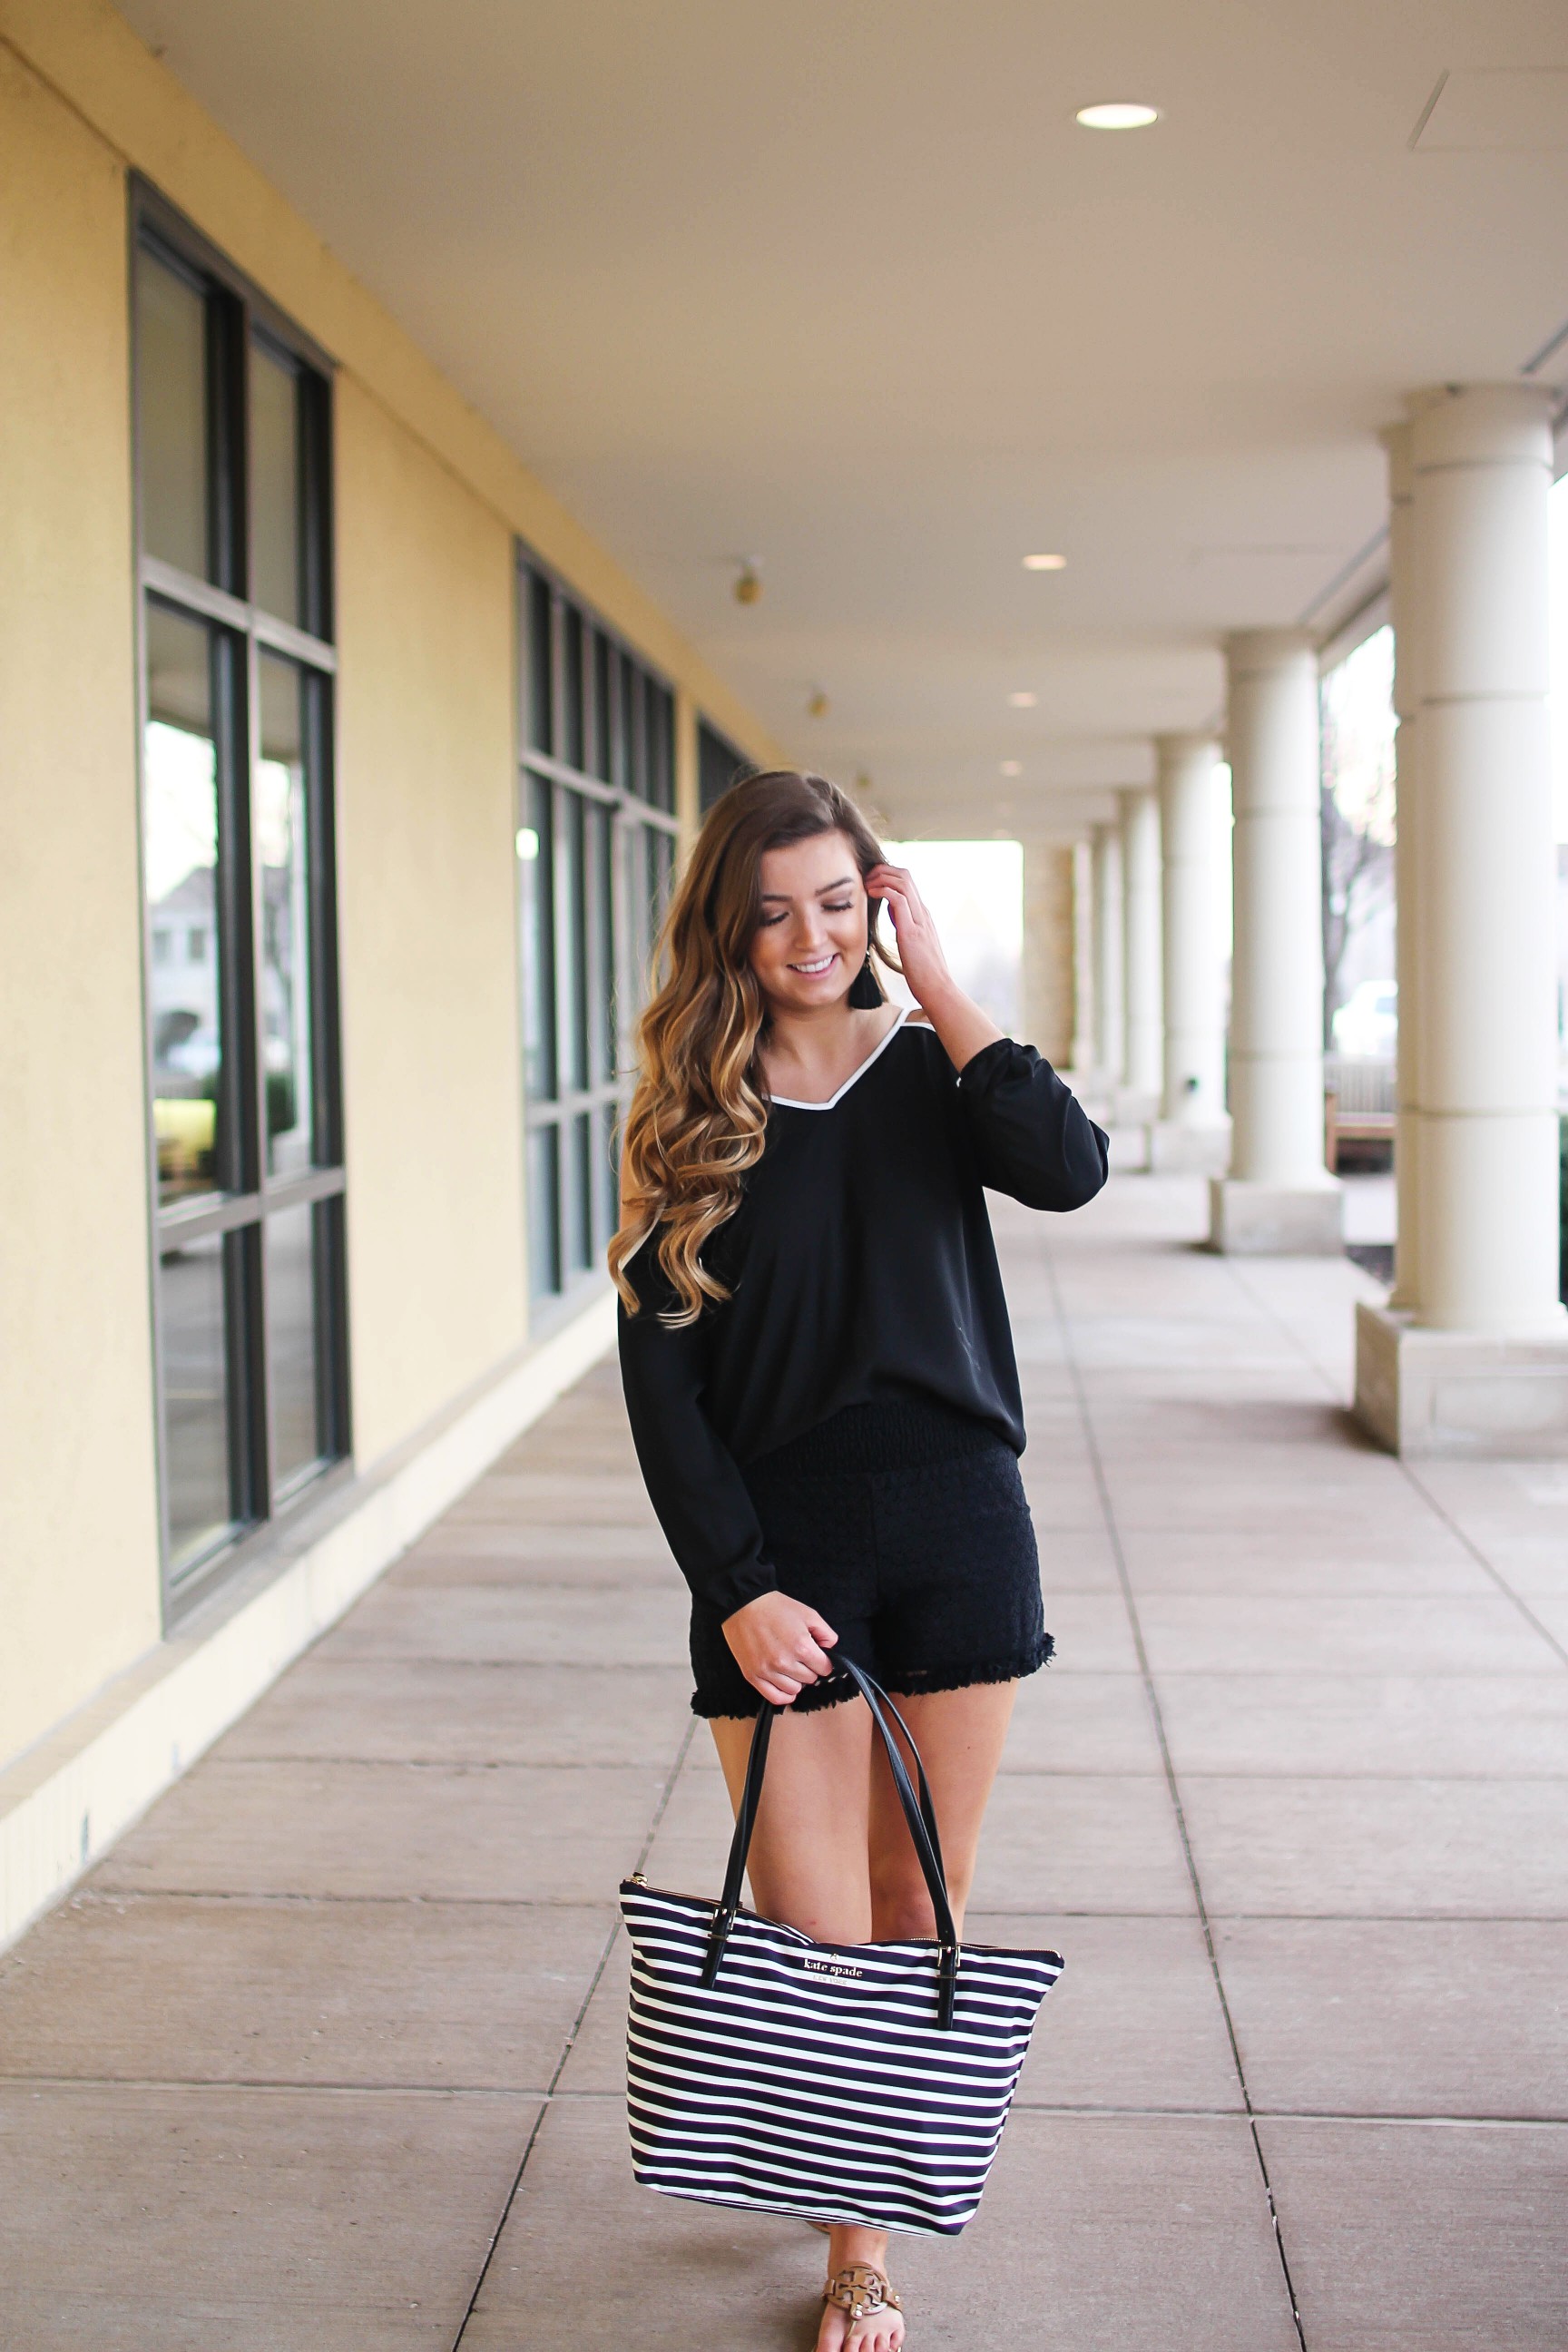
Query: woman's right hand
{"points": [[780, 1645]]}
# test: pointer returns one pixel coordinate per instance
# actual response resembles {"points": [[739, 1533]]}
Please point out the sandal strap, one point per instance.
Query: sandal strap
{"points": [[859, 2289]]}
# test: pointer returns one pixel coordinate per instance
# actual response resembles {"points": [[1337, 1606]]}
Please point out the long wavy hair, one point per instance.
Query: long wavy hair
{"points": [[699, 1115]]}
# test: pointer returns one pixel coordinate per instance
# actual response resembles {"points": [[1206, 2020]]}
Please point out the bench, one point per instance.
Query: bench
{"points": [[1358, 1107]]}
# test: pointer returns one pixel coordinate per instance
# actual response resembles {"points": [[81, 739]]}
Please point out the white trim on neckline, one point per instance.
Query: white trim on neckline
{"points": [[785, 1102]]}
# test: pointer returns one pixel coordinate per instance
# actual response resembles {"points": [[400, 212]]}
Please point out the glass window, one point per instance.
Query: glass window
{"points": [[171, 416], [571, 898], [194, 1346], [660, 875], [180, 855], [279, 811], [659, 711], [635, 720], [236, 859], [536, 858], [603, 722], [596, 844], [603, 940], [539, 671], [274, 483], [294, 1337], [580, 1194], [621, 750], [543, 1211], [718, 765], [572, 746]]}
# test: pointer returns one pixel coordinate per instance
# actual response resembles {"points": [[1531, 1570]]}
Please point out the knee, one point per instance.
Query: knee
{"points": [[833, 1914], [903, 1922], [901, 1906]]}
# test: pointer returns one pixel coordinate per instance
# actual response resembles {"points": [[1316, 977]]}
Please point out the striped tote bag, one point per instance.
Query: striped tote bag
{"points": [[862, 2082]]}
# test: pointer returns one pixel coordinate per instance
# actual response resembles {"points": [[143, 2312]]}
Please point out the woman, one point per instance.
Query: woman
{"points": [[818, 1366]]}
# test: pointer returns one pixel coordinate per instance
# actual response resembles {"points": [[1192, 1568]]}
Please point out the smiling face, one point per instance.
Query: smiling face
{"points": [[811, 940]]}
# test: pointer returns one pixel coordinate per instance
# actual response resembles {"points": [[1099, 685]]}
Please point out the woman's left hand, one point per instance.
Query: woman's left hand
{"points": [[964, 1029], [920, 949]]}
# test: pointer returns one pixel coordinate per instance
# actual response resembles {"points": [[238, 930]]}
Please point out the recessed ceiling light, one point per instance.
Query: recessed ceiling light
{"points": [[1023, 700], [1119, 116], [1012, 767], [1045, 564]]}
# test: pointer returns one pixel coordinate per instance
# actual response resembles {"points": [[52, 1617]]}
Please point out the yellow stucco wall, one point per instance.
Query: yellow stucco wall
{"points": [[78, 1554], [426, 736]]}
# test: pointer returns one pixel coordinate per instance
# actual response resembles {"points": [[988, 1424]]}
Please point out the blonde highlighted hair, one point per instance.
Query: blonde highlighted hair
{"points": [[699, 1115]]}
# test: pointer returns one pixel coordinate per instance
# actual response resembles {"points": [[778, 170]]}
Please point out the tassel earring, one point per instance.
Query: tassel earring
{"points": [[865, 989]]}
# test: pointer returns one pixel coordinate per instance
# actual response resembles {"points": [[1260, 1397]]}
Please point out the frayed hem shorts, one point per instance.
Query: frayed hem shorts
{"points": [[905, 1524]]}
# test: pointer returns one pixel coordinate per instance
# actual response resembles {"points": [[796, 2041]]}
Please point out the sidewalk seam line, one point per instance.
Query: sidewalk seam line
{"points": [[571, 2043], [1478, 1556], [1129, 1603], [1437, 1509], [1400, 2118]]}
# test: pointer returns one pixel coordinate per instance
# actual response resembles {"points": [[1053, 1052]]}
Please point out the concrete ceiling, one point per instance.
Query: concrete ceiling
{"points": [[841, 285]]}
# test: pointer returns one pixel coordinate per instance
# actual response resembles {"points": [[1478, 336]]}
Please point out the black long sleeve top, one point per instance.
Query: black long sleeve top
{"points": [[861, 1265]]}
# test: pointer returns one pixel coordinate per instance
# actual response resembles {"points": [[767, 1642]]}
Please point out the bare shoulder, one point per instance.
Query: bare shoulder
{"points": [[917, 1018]]}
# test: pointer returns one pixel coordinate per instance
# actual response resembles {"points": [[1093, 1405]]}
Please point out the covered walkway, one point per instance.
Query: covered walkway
{"points": [[325, 2056]]}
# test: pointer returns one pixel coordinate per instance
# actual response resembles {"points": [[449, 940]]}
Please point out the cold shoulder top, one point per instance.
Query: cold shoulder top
{"points": [[861, 1266]]}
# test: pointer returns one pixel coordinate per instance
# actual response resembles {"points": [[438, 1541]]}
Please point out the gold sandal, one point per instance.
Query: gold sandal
{"points": [[860, 2290]]}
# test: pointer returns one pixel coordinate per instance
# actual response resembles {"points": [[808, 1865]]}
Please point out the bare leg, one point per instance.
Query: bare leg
{"points": [[809, 1862], [846, 1873], [810, 1867], [961, 1735]]}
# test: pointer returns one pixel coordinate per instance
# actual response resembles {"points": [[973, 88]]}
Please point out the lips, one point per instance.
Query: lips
{"points": [[815, 971]]}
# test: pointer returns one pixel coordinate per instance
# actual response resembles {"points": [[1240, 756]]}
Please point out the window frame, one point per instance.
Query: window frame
{"points": [[607, 781], [717, 756], [238, 634]]}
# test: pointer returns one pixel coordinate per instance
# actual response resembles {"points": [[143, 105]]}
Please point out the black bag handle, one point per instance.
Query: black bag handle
{"points": [[919, 1811]]}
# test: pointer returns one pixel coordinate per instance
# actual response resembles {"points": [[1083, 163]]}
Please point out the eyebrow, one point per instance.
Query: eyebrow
{"points": [[783, 897]]}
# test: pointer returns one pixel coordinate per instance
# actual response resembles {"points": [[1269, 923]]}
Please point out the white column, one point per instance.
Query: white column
{"points": [[1406, 1291], [1481, 467], [1047, 949], [1279, 1198], [1109, 1023], [1142, 992], [1194, 1076], [1277, 972], [1481, 1367], [1082, 958]]}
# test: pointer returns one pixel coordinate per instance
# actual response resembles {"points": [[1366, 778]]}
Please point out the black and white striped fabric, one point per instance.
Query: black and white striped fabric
{"points": [[866, 2083]]}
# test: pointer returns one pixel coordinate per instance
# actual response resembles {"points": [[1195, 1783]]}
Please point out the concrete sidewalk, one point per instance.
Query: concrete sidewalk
{"points": [[326, 2057]]}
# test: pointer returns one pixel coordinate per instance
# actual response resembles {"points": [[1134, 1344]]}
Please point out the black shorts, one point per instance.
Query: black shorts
{"points": [[906, 1525]]}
